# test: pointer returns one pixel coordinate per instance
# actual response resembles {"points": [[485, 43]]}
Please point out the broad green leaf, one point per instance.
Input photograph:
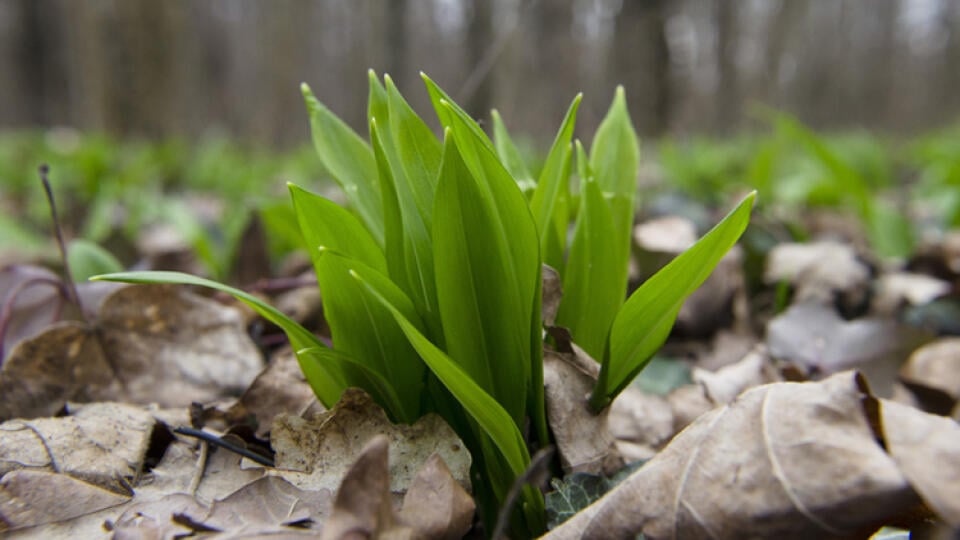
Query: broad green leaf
{"points": [[481, 302], [418, 149], [283, 232], [514, 225], [394, 240], [365, 330], [88, 259], [614, 157], [510, 155], [583, 162], [447, 113], [325, 223], [409, 166], [348, 159], [361, 376], [551, 196], [592, 294], [644, 322], [328, 382], [492, 418]]}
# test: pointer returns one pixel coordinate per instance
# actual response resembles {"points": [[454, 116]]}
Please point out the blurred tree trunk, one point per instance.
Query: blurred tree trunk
{"points": [[478, 88], [727, 105], [641, 60]]}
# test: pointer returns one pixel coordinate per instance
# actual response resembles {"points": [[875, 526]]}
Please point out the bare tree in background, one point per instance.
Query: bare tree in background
{"points": [[641, 60]]}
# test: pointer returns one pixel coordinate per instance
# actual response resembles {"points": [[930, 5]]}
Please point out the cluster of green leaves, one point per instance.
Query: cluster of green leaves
{"points": [[109, 189], [432, 284]]}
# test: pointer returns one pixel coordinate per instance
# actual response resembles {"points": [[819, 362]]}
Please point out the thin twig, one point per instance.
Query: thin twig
{"points": [[227, 445], [71, 288]]}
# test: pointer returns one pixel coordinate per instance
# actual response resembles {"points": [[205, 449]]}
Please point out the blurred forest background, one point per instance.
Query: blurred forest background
{"points": [[232, 67]]}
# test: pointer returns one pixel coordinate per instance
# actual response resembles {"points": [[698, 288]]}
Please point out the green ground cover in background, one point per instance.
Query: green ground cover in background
{"points": [[109, 189]]}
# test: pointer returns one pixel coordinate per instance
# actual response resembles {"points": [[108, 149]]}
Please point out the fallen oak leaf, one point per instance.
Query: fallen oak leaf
{"points": [[583, 438], [814, 337], [363, 507], [785, 460], [31, 498], [103, 443], [153, 344], [316, 452], [436, 505], [926, 447], [932, 373]]}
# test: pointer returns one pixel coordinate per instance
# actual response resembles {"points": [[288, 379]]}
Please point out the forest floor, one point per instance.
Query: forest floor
{"points": [[807, 390]]}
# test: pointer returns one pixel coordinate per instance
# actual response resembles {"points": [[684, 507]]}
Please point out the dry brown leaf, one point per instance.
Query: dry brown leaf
{"points": [[819, 270], [552, 294], [152, 519], [640, 423], [436, 506], [814, 337], [280, 388], [643, 423], [363, 507], [224, 473], [933, 374], [725, 384], [102, 443], [785, 460], [270, 504], [926, 447], [151, 344], [583, 438], [31, 498], [315, 453], [894, 290]]}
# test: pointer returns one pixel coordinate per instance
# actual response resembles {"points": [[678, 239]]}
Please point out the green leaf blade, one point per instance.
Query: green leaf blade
{"points": [[484, 409], [481, 299], [325, 223], [349, 159], [551, 197], [592, 295], [510, 155], [645, 320], [327, 382], [367, 332]]}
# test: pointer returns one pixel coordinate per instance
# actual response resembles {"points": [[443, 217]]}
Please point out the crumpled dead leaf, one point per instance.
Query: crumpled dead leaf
{"points": [[814, 337], [552, 294], [932, 373], [643, 423], [103, 443], [363, 507], [583, 438], [435, 506], [315, 453], [29, 498], [820, 270], [926, 447], [150, 344], [280, 388], [785, 460], [897, 289], [32, 299]]}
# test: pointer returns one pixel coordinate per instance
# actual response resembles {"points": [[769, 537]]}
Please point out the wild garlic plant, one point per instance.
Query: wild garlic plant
{"points": [[431, 279]]}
